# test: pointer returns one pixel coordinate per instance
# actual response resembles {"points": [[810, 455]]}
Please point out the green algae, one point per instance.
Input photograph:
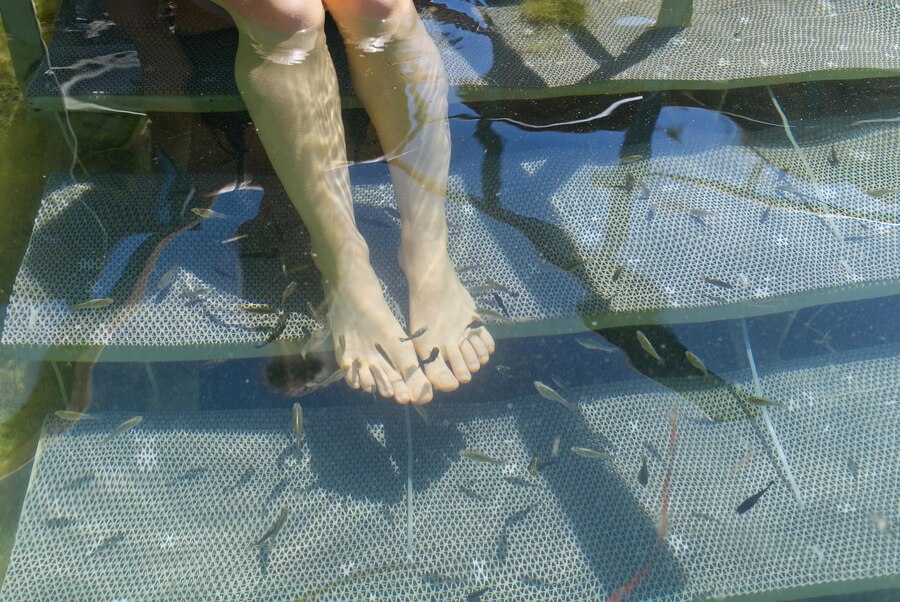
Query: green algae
{"points": [[555, 12]]}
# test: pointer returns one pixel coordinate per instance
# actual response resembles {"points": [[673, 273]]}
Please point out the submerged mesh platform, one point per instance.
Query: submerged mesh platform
{"points": [[707, 233], [494, 52], [170, 509]]}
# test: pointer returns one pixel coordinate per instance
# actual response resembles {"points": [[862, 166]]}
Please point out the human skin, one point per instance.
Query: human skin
{"points": [[287, 80]]}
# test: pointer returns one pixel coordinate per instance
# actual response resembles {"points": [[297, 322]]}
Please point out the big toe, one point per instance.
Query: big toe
{"points": [[441, 377]]}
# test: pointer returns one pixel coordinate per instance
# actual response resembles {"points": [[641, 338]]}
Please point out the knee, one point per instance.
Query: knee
{"points": [[370, 9], [278, 15]]}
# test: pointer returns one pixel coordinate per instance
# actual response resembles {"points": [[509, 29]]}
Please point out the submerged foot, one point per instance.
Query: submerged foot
{"points": [[367, 341], [439, 303]]}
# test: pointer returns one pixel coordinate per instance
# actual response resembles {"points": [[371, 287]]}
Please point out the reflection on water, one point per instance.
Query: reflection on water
{"points": [[652, 327]]}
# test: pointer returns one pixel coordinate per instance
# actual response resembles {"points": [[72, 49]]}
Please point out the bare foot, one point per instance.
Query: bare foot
{"points": [[361, 319], [438, 301]]}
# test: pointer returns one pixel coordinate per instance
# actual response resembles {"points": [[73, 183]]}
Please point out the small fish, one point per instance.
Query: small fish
{"points": [[751, 501], [486, 313], [628, 184], [73, 416], [189, 475], [274, 529], [881, 522], [258, 308], [298, 428], [593, 454], [127, 425], [572, 265], [706, 517], [334, 377], [880, 192], [698, 218], [717, 282], [742, 461], [535, 465], [377, 223], [696, 362], [596, 345], [276, 332], [422, 412], [392, 212], [644, 473], [415, 335], [499, 301], [554, 448], [833, 158], [674, 133], [853, 467], [475, 595], [109, 542], [474, 324], [431, 357], [80, 481], [518, 481], [385, 356], [166, 279], [242, 480], [558, 382], [468, 268], [478, 456], [503, 289], [617, 273], [207, 213], [630, 159], [288, 291], [765, 214], [93, 303], [762, 401], [58, 523], [466, 488], [506, 371], [653, 451], [548, 393], [644, 193], [234, 239], [647, 346]]}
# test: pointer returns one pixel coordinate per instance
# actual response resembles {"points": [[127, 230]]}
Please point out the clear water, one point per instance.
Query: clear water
{"points": [[215, 150]]}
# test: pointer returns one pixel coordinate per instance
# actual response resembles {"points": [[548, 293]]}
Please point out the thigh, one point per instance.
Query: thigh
{"points": [[368, 9]]}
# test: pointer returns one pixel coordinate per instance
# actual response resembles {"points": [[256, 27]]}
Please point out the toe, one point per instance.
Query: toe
{"points": [[457, 364], [352, 377], [420, 390], [401, 391], [366, 380], [382, 381], [487, 339], [480, 348], [441, 377], [468, 353]]}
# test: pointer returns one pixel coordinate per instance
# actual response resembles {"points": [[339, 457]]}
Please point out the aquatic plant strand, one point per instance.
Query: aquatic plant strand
{"points": [[409, 484], [757, 388]]}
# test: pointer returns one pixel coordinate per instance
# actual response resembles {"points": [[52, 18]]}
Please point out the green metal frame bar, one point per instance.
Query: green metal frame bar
{"points": [[24, 34], [675, 13]]}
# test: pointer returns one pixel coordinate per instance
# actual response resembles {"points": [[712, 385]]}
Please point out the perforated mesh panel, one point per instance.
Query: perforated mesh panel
{"points": [[710, 233], [495, 52], [169, 510]]}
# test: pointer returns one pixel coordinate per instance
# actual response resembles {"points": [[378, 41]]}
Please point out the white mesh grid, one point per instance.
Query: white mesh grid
{"points": [[616, 47], [730, 213], [578, 530]]}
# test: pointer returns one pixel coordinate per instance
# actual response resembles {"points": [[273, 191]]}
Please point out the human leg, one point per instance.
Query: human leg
{"points": [[287, 81], [399, 77]]}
